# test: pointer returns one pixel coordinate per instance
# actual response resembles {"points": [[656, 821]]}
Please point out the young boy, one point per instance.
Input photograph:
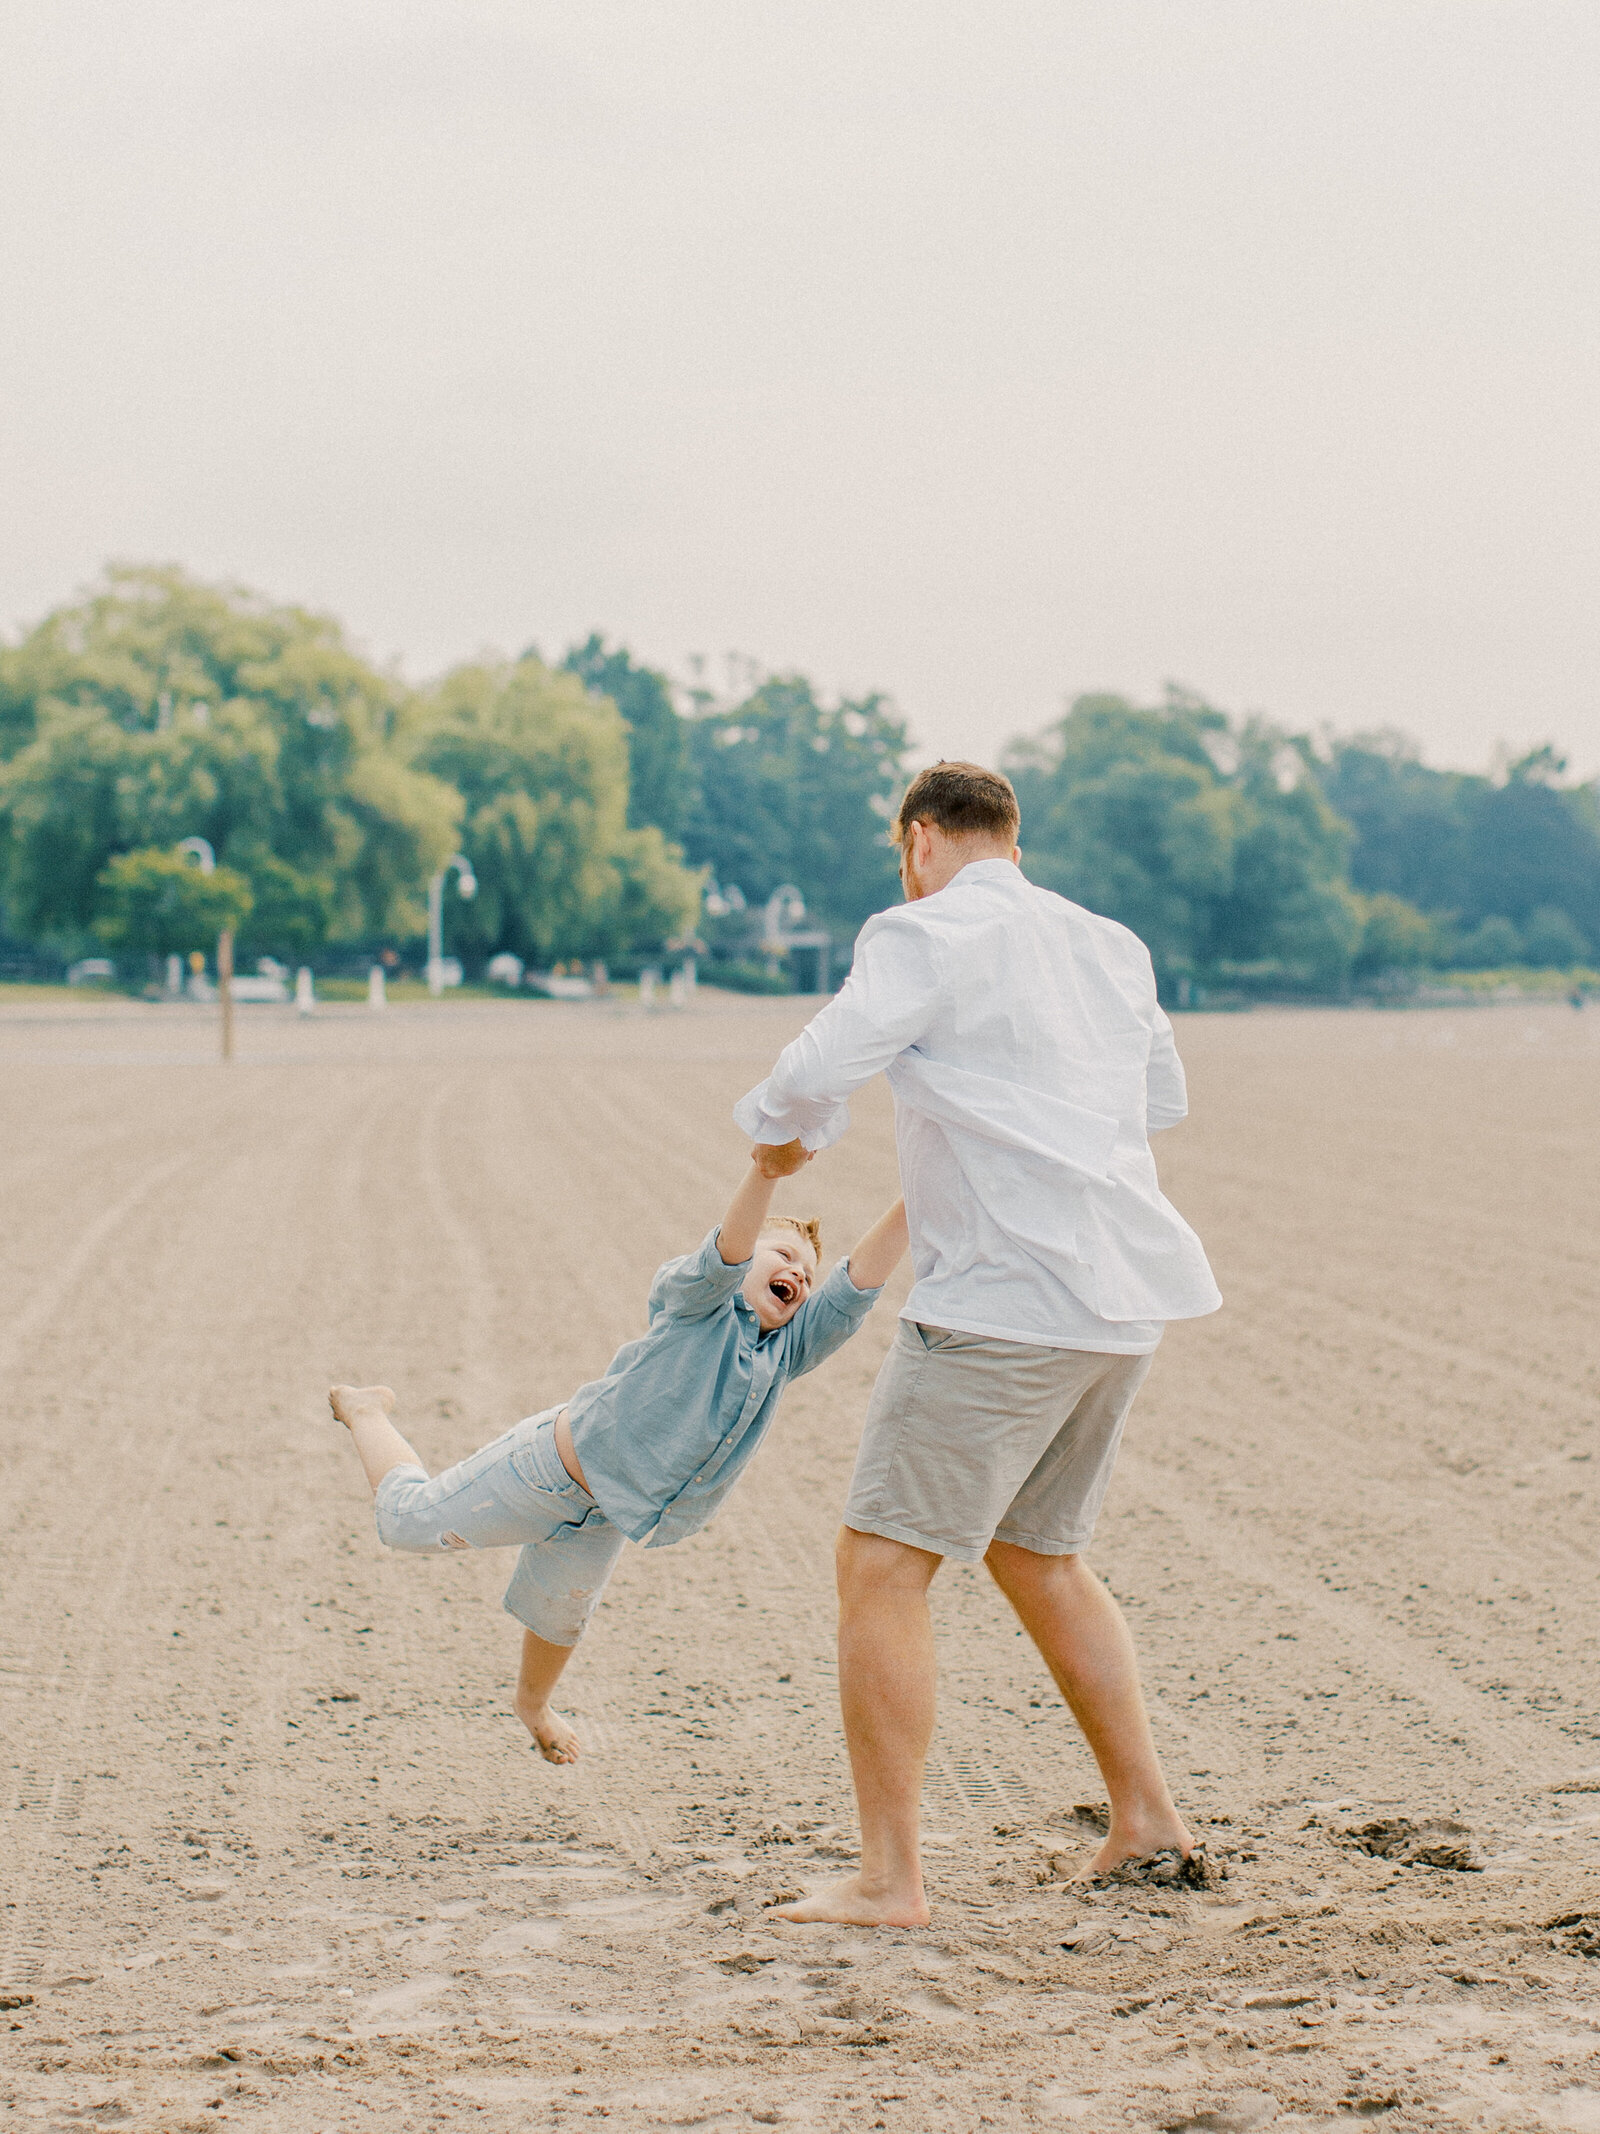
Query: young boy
{"points": [[645, 1453]]}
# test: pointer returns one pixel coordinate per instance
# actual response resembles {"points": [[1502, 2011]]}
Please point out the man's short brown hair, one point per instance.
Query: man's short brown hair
{"points": [[963, 799]]}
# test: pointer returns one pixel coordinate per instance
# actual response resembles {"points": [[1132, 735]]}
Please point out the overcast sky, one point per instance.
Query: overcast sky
{"points": [[981, 354]]}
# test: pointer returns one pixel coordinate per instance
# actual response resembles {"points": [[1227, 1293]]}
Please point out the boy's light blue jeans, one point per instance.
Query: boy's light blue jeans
{"points": [[513, 1492]]}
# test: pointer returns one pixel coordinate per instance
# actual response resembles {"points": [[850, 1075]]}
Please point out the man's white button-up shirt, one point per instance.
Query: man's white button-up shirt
{"points": [[1029, 1061]]}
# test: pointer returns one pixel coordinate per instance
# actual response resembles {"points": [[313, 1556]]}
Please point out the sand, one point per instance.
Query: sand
{"points": [[277, 1853]]}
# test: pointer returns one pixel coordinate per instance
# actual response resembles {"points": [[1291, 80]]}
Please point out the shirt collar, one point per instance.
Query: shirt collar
{"points": [[744, 1311], [994, 870]]}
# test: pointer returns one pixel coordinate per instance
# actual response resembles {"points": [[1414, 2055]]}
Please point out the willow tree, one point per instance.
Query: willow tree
{"points": [[159, 708], [541, 765]]}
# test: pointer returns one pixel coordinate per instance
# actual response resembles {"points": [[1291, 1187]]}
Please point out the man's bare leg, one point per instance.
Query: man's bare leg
{"points": [[365, 1411], [886, 1689], [1086, 1645], [541, 1670]]}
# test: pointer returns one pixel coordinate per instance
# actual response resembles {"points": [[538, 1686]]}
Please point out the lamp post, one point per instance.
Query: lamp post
{"points": [[785, 914], [467, 888], [786, 908], [200, 851]]}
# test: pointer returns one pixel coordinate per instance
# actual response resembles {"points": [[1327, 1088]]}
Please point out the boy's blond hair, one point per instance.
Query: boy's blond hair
{"points": [[808, 1227]]}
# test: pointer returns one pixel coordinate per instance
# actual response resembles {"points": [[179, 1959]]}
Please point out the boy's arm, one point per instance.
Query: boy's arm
{"points": [[703, 1280], [831, 1314], [747, 1211], [879, 1252]]}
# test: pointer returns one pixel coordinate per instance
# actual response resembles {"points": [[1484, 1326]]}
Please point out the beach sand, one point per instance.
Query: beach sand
{"points": [[277, 1853]]}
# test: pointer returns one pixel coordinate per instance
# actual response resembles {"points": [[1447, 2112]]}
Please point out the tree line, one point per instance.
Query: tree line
{"points": [[1244, 853], [601, 820]]}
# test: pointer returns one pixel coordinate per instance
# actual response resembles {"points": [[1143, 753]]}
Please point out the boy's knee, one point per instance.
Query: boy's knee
{"points": [[393, 1513]]}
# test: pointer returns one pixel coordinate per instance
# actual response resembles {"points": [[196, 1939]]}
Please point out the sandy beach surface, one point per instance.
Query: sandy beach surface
{"points": [[276, 1852]]}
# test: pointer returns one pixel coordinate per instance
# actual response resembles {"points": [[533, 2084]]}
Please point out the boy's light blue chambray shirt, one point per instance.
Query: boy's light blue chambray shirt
{"points": [[670, 1428]]}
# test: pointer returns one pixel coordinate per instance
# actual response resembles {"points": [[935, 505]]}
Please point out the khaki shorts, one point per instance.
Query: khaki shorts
{"points": [[970, 1440]]}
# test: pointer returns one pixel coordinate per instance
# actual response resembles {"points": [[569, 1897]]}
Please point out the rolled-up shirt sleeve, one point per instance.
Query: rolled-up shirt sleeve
{"points": [[696, 1285], [1166, 1091], [884, 1006], [827, 1319]]}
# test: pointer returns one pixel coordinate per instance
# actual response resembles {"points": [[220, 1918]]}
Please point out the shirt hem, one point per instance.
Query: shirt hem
{"points": [[1033, 1339]]}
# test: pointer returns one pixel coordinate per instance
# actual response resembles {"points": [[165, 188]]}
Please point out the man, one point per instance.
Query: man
{"points": [[1029, 1059]]}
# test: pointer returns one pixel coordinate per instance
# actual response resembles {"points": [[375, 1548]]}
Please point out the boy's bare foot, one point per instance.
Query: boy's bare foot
{"points": [[851, 1903], [552, 1737], [347, 1402]]}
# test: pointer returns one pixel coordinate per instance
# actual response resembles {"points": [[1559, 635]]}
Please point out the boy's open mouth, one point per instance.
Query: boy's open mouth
{"points": [[785, 1287]]}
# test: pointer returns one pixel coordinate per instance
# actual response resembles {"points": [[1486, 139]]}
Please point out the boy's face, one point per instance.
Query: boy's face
{"points": [[782, 1271]]}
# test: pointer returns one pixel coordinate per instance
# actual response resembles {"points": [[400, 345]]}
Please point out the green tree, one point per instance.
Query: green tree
{"points": [[1208, 838], [1535, 844], [1289, 907], [660, 775], [1412, 824], [1464, 847], [292, 913], [159, 708], [1551, 942], [1491, 945], [542, 767], [162, 904], [1124, 811], [791, 790], [1395, 936]]}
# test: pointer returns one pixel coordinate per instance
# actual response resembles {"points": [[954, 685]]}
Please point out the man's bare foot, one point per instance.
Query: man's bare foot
{"points": [[347, 1402], [552, 1737], [1167, 1869], [851, 1903], [1125, 1842]]}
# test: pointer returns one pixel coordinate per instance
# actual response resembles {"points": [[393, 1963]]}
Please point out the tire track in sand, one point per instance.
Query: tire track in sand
{"points": [[56, 1287], [108, 1539], [1508, 1743]]}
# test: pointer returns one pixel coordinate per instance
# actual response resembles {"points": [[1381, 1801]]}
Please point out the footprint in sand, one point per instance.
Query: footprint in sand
{"points": [[1436, 1841], [524, 1937], [400, 2007], [1229, 2115]]}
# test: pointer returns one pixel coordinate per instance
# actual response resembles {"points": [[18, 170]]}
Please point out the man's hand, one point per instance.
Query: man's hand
{"points": [[747, 1210], [779, 1161]]}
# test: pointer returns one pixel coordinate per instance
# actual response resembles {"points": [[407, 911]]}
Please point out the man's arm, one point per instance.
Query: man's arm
{"points": [[878, 1254], [886, 1004], [1166, 1092]]}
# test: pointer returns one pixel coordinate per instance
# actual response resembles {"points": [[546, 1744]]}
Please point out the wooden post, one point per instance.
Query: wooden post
{"points": [[225, 988]]}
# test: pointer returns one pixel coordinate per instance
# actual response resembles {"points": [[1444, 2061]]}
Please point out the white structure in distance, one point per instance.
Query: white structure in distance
{"points": [[269, 986]]}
